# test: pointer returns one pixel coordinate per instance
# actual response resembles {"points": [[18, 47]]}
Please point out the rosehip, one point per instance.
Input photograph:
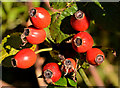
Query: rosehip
{"points": [[40, 17], [79, 22], [95, 56], [33, 35], [51, 72], [25, 58], [69, 65], [82, 41]]}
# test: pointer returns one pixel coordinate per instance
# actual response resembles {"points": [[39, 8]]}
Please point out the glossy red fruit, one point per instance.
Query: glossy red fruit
{"points": [[79, 22], [82, 41], [40, 17], [33, 35], [69, 65], [25, 58], [95, 56], [51, 72]]}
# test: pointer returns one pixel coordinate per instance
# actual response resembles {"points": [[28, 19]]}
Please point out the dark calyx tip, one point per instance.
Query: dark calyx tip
{"points": [[79, 14], [48, 74], [67, 62], [40, 76], [99, 59], [13, 61], [26, 32], [32, 12], [78, 41]]}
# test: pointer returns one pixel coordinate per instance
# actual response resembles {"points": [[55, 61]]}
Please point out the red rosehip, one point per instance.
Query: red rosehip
{"points": [[69, 65], [79, 22], [51, 72], [25, 58], [33, 35], [82, 41], [40, 17], [95, 56]]}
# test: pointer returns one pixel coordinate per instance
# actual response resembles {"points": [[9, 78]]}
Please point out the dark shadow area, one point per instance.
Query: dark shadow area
{"points": [[66, 27], [19, 28], [20, 77], [66, 49]]}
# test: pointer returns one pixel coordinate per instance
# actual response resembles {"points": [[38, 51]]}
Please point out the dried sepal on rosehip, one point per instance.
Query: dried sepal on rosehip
{"points": [[29, 23], [40, 17], [51, 73], [95, 56], [82, 41], [69, 65], [33, 36], [25, 58], [79, 21]]}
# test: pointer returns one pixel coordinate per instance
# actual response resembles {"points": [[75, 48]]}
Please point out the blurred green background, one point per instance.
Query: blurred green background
{"points": [[105, 29]]}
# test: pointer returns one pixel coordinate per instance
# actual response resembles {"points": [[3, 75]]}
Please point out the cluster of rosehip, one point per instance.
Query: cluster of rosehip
{"points": [[82, 42], [34, 34]]}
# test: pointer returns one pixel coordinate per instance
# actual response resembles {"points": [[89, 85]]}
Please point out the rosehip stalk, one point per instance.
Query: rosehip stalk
{"points": [[26, 58], [42, 50]]}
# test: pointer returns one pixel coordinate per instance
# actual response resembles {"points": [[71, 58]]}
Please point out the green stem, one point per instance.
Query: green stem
{"points": [[42, 50], [85, 78]]}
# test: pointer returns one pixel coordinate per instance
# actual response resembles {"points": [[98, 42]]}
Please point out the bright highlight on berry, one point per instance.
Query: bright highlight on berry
{"points": [[25, 58], [51, 72], [40, 17], [95, 56], [82, 41], [33, 35]]}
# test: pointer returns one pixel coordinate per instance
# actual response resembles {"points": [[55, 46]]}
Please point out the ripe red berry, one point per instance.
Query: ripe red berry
{"points": [[40, 17], [79, 22], [69, 65], [51, 72], [82, 41], [25, 58], [95, 56], [33, 35]]}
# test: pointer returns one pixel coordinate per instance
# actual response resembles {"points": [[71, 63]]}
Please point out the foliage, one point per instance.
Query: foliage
{"points": [[10, 47], [104, 22]]}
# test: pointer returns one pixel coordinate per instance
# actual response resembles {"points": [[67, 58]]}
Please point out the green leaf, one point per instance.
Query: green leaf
{"points": [[4, 53], [61, 82], [98, 3], [54, 54], [104, 18], [7, 6], [72, 82], [13, 17], [37, 3], [11, 45], [85, 65], [15, 41], [7, 61], [58, 5], [48, 34], [55, 28]]}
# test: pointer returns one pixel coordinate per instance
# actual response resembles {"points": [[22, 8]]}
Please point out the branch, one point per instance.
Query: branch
{"points": [[96, 76], [46, 2], [38, 70], [3, 84], [85, 78]]}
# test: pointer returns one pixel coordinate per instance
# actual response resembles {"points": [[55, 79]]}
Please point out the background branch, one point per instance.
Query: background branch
{"points": [[96, 76]]}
